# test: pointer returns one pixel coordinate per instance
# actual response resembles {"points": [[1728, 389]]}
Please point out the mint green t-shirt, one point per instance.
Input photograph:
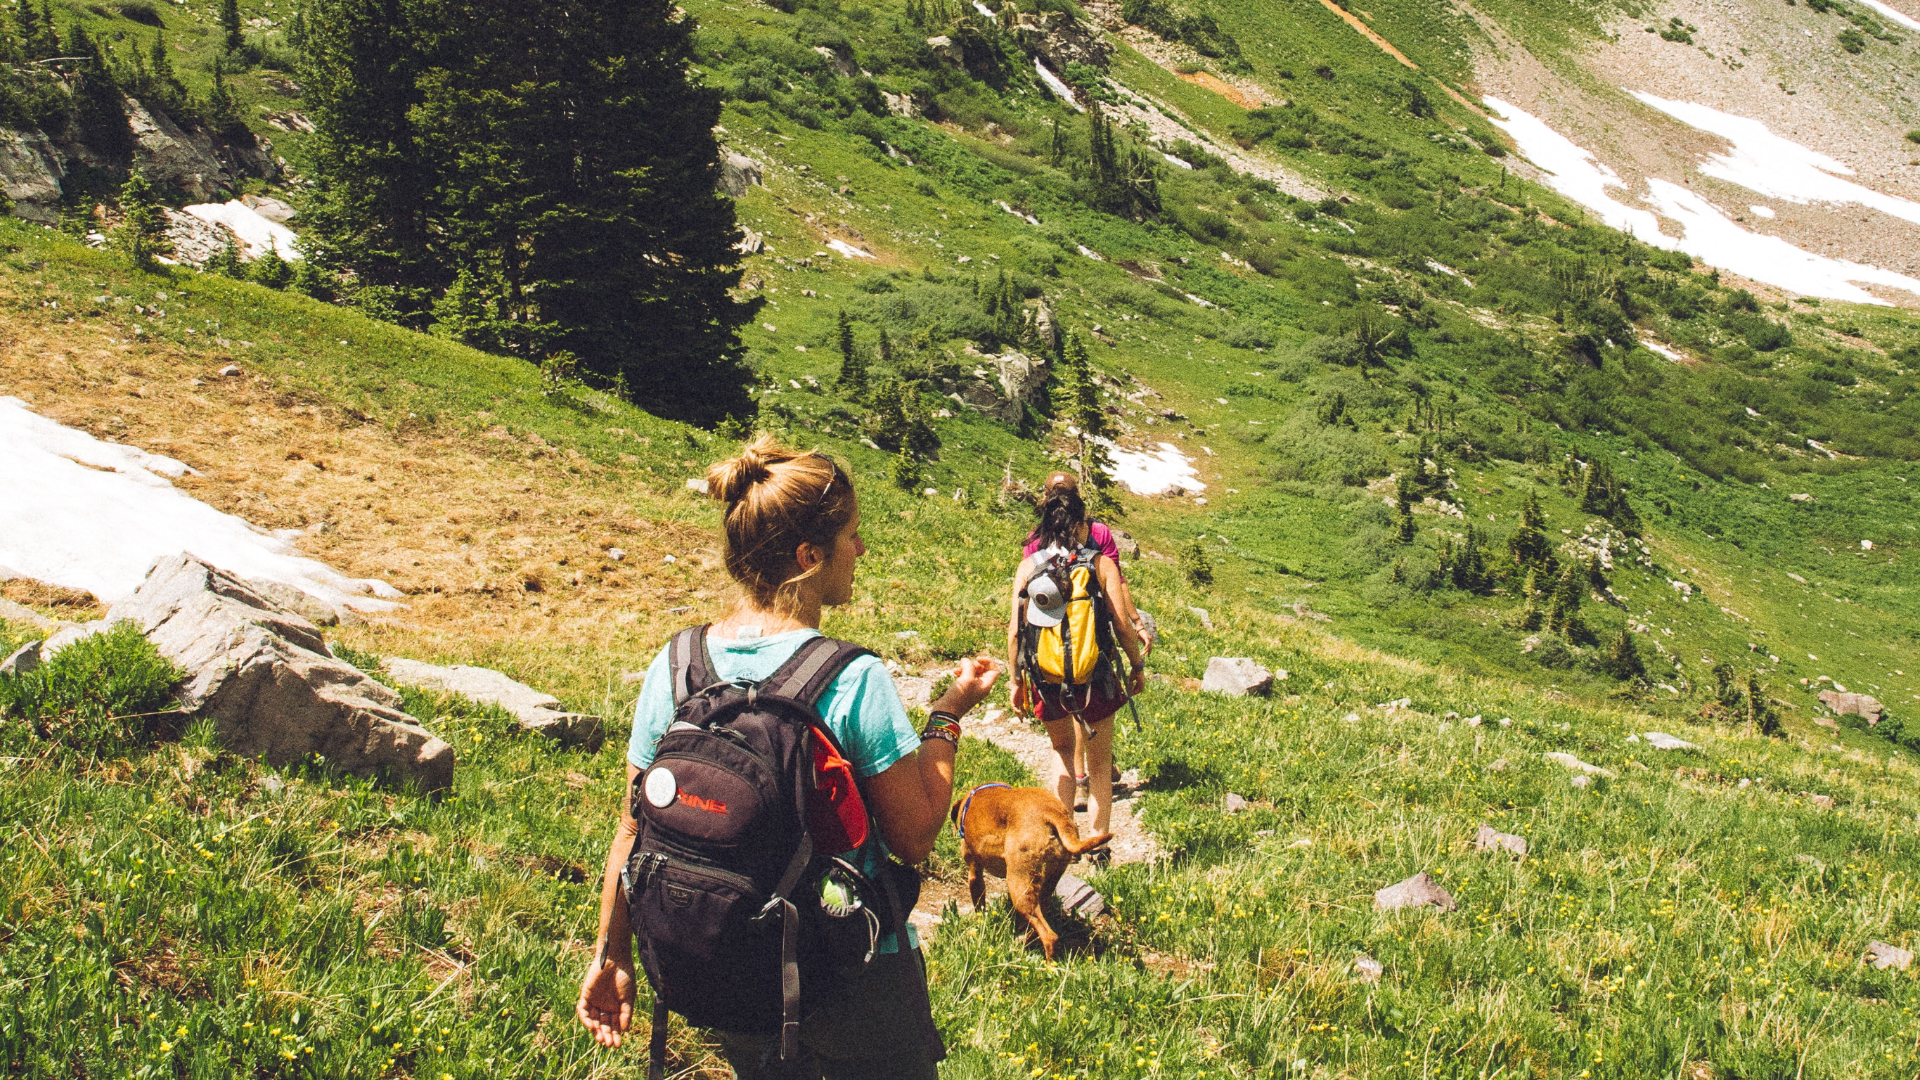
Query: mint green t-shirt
{"points": [[861, 709]]}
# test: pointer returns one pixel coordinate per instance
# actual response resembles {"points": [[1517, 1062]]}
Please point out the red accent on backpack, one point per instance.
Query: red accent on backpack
{"points": [[836, 813]]}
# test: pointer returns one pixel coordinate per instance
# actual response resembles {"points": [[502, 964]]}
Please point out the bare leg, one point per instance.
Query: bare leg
{"points": [[1060, 733], [1080, 752], [1100, 775]]}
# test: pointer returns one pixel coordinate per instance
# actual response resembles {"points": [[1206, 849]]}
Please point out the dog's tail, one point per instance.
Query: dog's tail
{"points": [[1064, 828]]}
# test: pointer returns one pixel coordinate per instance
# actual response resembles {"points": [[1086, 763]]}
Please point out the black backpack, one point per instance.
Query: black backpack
{"points": [[725, 883]]}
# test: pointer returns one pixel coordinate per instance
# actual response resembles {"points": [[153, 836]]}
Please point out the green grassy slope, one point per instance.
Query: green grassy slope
{"points": [[173, 911], [173, 915]]}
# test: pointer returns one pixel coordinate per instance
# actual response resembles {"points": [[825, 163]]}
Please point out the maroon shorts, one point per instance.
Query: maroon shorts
{"points": [[1059, 703]]}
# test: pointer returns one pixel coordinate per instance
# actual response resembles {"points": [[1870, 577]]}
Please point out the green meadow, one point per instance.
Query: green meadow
{"points": [[1383, 377]]}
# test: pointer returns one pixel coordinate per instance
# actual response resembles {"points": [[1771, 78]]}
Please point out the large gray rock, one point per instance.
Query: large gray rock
{"points": [[173, 158], [945, 48], [1061, 39], [1417, 891], [536, 711], [1861, 705], [30, 175], [1001, 387], [1236, 676], [267, 680], [738, 172]]}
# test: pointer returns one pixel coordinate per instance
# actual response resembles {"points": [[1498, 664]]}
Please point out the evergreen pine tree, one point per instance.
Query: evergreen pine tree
{"points": [[1122, 181], [853, 363], [310, 280], [1470, 563], [1760, 710], [1195, 564], [455, 135], [39, 39], [1404, 530], [1081, 407], [1726, 688], [228, 261], [1528, 545], [1623, 658], [142, 233], [906, 470], [222, 110], [1530, 617], [369, 207], [1563, 612], [271, 270], [230, 24], [886, 352], [886, 422], [97, 111], [163, 85]]}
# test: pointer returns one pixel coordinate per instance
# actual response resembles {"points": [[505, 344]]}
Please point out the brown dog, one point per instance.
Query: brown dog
{"points": [[1025, 836]]}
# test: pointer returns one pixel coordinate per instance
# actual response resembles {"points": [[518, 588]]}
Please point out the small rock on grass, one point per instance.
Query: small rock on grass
{"points": [[1886, 956], [1582, 781], [1078, 898], [1366, 969], [1236, 677], [1499, 765], [1235, 803], [1663, 741], [1417, 891], [1577, 765], [24, 659], [1490, 839]]}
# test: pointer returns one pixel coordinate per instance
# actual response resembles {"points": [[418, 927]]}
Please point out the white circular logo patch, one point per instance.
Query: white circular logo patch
{"points": [[661, 787]]}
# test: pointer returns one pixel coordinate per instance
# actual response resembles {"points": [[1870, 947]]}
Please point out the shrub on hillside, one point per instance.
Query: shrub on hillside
{"points": [[95, 697], [1307, 449]]}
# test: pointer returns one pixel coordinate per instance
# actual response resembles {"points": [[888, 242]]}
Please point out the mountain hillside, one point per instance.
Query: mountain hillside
{"points": [[1388, 406]]}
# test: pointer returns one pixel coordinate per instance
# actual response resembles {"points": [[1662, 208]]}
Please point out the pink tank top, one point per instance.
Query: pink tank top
{"points": [[1098, 535]]}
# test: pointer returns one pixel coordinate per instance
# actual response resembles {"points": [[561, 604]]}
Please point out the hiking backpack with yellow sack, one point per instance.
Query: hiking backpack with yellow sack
{"points": [[1066, 628]]}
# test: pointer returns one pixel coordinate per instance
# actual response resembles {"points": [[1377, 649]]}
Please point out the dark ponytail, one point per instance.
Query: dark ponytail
{"points": [[1061, 514]]}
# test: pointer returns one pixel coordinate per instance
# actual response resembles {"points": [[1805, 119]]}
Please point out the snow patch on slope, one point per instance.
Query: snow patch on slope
{"points": [[1706, 232], [1058, 85], [1761, 161], [1165, 471], [256, 232], [94, 515]]}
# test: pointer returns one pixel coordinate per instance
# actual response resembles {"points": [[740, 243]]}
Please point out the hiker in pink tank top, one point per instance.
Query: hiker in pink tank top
{"points": [[1101, 536]]}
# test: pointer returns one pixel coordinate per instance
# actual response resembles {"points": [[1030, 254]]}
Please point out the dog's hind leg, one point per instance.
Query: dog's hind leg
{"points": [[1029, 898], [976, 883]]}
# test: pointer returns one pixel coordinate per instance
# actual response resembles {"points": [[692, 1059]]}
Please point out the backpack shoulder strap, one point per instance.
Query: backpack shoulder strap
{"points": [[692, 664], [811, 669]]}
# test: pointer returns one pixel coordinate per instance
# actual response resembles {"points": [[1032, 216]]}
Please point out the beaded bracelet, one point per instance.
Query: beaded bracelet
{"points": [[942, 725]]}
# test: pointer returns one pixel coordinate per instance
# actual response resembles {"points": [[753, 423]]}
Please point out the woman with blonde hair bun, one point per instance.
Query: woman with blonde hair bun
{"points": [[792, 529]]}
